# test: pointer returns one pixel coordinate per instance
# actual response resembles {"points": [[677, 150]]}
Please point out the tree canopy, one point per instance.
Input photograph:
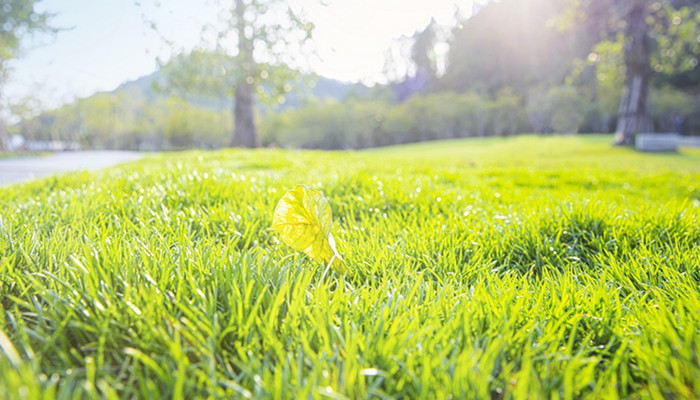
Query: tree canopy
{"points": [[18, 19], [513, 43], [244, 57]]}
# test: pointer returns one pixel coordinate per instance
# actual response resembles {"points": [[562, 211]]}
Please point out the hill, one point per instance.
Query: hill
{"points": [[322, 88]]}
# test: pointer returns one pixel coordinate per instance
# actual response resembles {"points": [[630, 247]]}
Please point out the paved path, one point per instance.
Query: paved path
{"points": [[14, 170]]}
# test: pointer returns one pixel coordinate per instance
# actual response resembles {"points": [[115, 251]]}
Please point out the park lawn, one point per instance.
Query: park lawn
{"points": [[526, 267]]}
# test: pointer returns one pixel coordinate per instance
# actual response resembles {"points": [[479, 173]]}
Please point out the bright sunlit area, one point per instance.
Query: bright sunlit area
{"points": [[104, 44], [349, 199]]}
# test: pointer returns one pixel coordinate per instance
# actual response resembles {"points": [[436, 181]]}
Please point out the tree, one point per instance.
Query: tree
{"points": [[569, 108], [259, 30], [18, 19], [505, 112], [423, 54], [602, 75], [511, 43], [657, 36], [635, 105], [539, 109], [671, 108]]}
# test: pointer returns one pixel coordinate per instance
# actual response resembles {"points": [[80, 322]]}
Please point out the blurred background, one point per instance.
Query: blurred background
{"points": [[341, 74]]}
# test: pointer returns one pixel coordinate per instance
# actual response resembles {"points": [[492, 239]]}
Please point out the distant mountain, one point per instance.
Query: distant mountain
{"points": [[323, 89], [144, 85]]}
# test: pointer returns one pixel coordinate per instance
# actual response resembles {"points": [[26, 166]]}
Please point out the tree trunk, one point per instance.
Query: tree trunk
{"points": [[3, 132], [635, 106], [3, 138], [244, 132], [4, 144]]}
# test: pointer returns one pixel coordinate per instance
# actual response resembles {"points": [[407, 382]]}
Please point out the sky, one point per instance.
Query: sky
{"points": [[104, 43]]}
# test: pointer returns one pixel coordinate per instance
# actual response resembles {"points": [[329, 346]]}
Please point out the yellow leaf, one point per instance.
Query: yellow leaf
{"points": [[303, 218]]}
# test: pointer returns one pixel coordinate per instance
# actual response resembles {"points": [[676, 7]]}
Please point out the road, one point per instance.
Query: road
{"points": [[20, 169]]}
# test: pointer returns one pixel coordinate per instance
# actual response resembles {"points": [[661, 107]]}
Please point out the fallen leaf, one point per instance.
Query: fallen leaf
{"points": [[303, 219]]}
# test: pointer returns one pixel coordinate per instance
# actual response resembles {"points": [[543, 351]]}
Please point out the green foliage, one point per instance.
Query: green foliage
{"points": [[488, 268], [654, 37], [671, 107], [324, 125], [602, 75], [421, 118], [423, 54], [201, 73], [489, 51], [209, 75], [582, 39], [673, 27], [18, 19], [675, 32], [569, 109], [539, 109], [362, 124], [506, 112], [271, 29], [126, 120], [558, 109]]}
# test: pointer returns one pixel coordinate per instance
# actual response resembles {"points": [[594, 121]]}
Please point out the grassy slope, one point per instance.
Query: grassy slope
{"points": [[523, 267]]}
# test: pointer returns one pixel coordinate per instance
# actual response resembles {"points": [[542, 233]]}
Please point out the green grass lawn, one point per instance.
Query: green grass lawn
{"points": [[498, 268]]}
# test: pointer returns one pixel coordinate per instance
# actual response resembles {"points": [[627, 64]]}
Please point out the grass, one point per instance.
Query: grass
{"points": [[494, 268], [20, 154]]}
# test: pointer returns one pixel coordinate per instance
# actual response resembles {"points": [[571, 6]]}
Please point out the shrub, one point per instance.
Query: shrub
{"points": [[670, 108]]}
